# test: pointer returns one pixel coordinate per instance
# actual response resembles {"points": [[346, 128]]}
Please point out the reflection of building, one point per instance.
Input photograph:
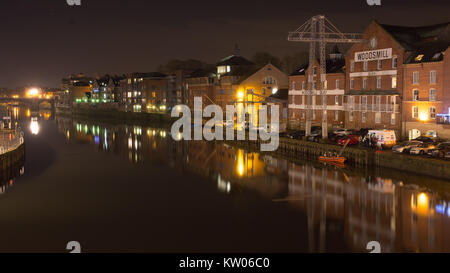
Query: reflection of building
{"points": [[399, 218]]}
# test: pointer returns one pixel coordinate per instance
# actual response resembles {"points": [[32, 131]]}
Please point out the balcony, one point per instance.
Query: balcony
{"points": [[371, 107]]}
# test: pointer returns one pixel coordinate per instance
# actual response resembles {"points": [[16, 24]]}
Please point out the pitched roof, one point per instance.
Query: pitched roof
{"points": [[333, 66], [200, 73], [148, 75], [412, 37], [234, 60]]}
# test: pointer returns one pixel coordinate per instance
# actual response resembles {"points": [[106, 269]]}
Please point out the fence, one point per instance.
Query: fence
{"points": [[10, 140]]}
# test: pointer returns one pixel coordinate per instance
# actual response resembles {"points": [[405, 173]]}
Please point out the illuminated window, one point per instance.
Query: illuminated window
{"points": [[394, 81], [419, 57], [313, 115], [432, 94], [153, 94], [393, 119], [337, 84], [432, 76], [432, 112], [336, 100], [313, 100], [415, 112]]}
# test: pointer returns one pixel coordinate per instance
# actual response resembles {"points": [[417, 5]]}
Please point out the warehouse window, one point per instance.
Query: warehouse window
{"points": [[352, 66], [365, 65], [350, 116], [415, 112], [363, 117], [432, 94], [415, 95], [378, 117], [379, 64], [394, 82], [432, 112], [313, 115], [303, 85], [352, 83], [364, 83], [394, 62], [293, 85], [416, 77], [379, 82], [393, 119], [433, 76], [337, 84], [336, 115], [336, 100]]}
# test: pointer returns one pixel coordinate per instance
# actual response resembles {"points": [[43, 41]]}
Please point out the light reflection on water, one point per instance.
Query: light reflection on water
{"points": [[396, 210]]}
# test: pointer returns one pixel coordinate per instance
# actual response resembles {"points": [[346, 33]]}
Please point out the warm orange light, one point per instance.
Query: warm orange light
{"points": [[240, 95], [423, 116]]}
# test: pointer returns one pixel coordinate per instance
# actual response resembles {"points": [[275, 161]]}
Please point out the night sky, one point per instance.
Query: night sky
{"points": [[44, 40]]}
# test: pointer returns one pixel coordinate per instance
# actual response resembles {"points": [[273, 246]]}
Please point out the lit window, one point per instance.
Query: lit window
{"points": [[394, 81], [393, 119], [336, 100], [337, 84], [313, 115], [313, 100], [419, 57]]}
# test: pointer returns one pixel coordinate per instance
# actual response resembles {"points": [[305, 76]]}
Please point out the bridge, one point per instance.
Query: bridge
{"points": [[32, 103]]}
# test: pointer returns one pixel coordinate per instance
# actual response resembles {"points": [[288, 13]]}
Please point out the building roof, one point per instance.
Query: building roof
{"points": [[333, 66], [234, 60], [281, 94], [429, 52], [148, 75], [201, 73], [412, 37]]}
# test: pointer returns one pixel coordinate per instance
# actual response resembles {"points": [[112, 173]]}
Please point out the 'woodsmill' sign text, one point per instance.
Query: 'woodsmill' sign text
{"points": [[373, 55]]}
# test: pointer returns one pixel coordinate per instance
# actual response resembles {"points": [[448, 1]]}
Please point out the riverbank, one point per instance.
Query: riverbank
{"points": [[358, 157], [115, 116]]}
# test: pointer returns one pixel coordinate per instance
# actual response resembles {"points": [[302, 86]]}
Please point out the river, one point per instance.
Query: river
{"points": [[132, 188]]}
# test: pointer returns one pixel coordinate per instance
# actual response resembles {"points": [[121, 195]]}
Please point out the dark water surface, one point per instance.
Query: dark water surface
{"points": [[122, 188]]}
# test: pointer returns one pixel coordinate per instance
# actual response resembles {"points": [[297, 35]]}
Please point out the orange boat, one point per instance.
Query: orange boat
{"points": [[333, 159]]}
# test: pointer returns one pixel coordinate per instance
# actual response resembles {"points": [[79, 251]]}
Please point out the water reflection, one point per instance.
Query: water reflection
{"points": [[398, 210]]}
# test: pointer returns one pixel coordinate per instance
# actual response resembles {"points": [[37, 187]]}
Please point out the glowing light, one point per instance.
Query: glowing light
{"points": [[34, 126], [240, 95], [33, 92], [274, 90], [240, 162], [423, 116]]}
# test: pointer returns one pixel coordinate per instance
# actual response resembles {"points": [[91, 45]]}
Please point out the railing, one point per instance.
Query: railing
{"points": [[390, 108], [10, 140]]}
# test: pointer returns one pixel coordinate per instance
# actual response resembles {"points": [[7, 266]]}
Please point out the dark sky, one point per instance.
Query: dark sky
{"points": [[44, 40]]}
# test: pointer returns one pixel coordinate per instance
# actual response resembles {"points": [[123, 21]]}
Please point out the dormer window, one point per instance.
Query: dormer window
{"points": [[419, 58], [223, 69]]}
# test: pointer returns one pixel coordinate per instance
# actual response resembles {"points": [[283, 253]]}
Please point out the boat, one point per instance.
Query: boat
{"points": [[333, 159]]}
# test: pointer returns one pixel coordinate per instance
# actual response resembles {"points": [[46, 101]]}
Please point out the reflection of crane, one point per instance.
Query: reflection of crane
{"points": [[320, 30]]}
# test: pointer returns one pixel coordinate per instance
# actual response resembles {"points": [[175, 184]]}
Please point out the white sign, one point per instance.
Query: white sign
{"points": [[380, 54]]}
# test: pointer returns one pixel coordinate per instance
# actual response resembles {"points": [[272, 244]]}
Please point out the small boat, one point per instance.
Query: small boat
{"points": [[333, 159]]}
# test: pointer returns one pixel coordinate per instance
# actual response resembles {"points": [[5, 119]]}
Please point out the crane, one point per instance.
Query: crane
{"points": [[320, 30]]}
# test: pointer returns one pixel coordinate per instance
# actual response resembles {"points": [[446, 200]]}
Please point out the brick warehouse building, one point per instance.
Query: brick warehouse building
{"points": [[378, 76], [335, 81]]}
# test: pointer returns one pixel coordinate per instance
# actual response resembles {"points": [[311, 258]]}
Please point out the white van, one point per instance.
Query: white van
{"points": [[385, 138]]}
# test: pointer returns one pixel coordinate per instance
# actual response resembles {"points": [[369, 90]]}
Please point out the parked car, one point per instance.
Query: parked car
{"points": [[424, 139], [422, 149], [383, 138], [342, 132], [296, 135], [406, 146], [354, 140], [441, 150]]}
